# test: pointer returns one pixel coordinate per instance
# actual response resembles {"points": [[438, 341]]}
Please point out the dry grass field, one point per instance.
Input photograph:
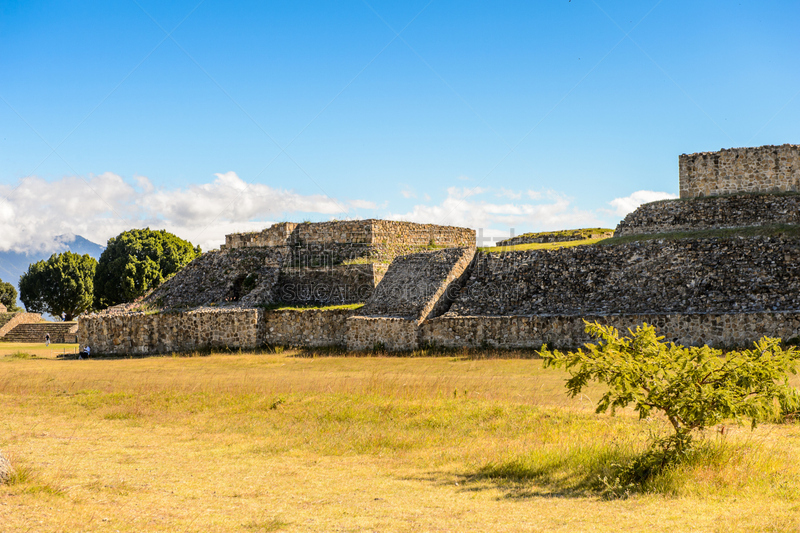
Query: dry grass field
{"points": [[279, 442]]}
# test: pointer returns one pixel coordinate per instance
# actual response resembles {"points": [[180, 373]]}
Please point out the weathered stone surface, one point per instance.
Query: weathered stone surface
{"points": [[389, 333], [367, 232], [737, 170], [732, 330], [307, 327], [335, 285], [712, 212], [246, 276], [417, 286], [682, 276], [143, 333]]}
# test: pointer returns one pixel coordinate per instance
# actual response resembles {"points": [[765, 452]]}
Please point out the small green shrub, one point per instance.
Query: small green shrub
{"points": [[693, 387]]}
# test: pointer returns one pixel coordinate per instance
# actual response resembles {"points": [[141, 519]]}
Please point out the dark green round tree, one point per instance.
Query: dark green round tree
{"points": [[136, 261], [8, 296], [62, 284]]}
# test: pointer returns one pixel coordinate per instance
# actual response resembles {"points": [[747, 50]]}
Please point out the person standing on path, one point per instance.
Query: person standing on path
{"points": [[47, 339]]}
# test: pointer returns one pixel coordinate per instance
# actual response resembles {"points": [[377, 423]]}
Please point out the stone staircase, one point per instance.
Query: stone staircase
{"points": [[59, 332]]}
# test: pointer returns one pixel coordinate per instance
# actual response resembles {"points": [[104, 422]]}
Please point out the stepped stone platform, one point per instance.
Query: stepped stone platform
{"points": [[416, 287], [60, 332], [323, 263]]}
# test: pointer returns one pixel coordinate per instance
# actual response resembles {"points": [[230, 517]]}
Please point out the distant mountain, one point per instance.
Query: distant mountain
{"points": [[14, 264]]}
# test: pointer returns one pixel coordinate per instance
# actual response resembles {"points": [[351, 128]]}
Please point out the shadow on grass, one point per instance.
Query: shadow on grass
{"points": [[609, 472], [572, 475]]}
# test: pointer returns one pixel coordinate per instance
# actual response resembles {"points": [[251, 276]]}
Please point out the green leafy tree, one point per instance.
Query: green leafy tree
{"points": [[62, 284], [693, 388], [8, 296], [136, 261]]}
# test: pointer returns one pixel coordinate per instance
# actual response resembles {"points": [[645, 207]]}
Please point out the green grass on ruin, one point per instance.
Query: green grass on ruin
{"points": [[565, 234], [539, 246], [284, 307], [781, 230]]}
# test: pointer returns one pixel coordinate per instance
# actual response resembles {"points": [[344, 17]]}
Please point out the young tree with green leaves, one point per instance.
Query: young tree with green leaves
{"points": [[8, 297], [62, 284], [694, 388], [136, 261]]}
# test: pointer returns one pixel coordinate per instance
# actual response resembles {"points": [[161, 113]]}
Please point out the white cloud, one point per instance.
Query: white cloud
{"points": [[362, 204], [508, 193], [464, 207], [408, 192], [34, 213], [623, 206]]}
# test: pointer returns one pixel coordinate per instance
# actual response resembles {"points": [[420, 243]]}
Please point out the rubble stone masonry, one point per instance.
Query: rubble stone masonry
{"points": [[732, 275], [139, 333], [733, 330], [143, 333], [764, 169], [713, 212], [370, 232]]}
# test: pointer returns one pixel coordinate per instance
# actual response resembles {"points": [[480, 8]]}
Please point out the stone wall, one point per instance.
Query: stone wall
{"points": [[413, 234], [141, 333], [416, 286], [335, 285], [367, 232], [712, 212], [389, 333], [275, 235], [233, 328], [742, 275], [566, 332], [737, 170], [307, 327]]}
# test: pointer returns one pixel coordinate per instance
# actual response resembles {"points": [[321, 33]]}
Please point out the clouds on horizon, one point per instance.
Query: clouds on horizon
{"points": [[628, 204], [35, 213], [486, 208]]}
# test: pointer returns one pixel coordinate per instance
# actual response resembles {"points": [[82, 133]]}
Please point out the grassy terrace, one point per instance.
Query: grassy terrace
{"points": [[791, 231], [753, 231], [297, 442], [282, 307], [539, 246], [563, 235]]}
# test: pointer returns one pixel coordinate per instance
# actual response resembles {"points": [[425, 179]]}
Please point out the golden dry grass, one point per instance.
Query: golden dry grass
{"points": [[272, 442]]}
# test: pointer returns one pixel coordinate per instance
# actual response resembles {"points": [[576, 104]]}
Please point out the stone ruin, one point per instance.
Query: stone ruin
{"points": [[765, 169], [427, 285], [326, 263]]}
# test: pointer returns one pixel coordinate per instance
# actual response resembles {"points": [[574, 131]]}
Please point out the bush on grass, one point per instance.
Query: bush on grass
{"points": [[694, 388]]}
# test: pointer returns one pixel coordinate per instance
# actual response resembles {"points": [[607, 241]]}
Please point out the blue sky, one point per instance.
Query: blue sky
{"points": [[212, 117]]}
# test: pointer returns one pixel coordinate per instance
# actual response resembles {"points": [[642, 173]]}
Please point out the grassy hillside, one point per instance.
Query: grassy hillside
{"points": [[791, 231], [293, 442], [540, 245], [567, 234]]}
